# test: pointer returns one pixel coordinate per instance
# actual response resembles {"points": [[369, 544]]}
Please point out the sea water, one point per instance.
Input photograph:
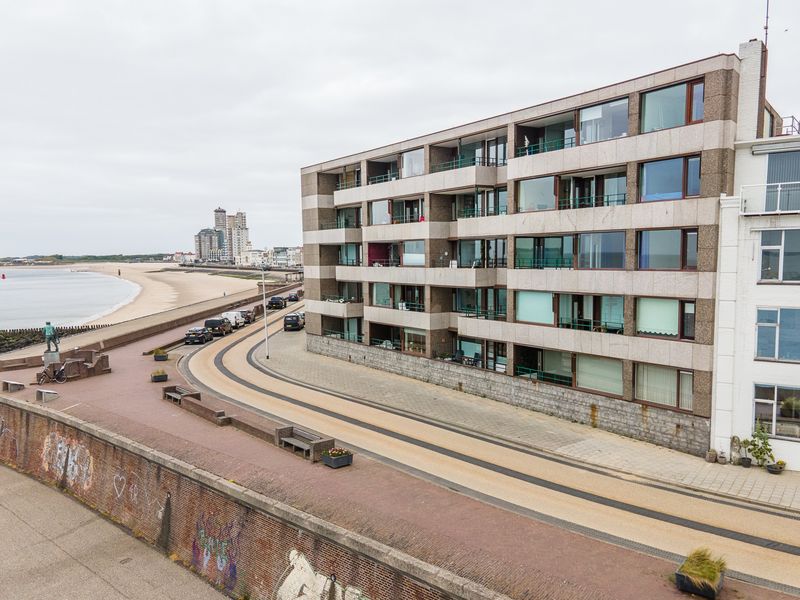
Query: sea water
{"points": [[30, 297]]}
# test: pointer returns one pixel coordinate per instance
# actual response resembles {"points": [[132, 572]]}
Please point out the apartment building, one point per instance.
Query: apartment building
{"points": [[562, 257]]}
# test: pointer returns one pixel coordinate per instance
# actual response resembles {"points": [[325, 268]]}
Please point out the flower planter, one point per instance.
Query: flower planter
{"points": [[705, 591], [335, 462], [775, 469], [711, 456], [746, 462], [159, 378], [160, 357]]}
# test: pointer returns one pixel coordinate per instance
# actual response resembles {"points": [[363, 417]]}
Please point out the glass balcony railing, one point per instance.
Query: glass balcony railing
{"points": [[344, 335], [349, 262], [384, 262], [522, 371], [591, 201], [400, 219], [591, 325], [477, 263], [401, 305], [390, 176], [541, 147], [770, 198], [559, 262], [471, 213], [491, 315], [341, 299], [341, 224], [467, 161], [346, 185]]}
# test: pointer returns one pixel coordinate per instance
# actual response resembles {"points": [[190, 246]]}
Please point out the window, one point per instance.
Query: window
{"points": [[350, 254], [601, 250], [670, 179], [380, 213], [414, 340], [777, 408], [537, 194], [604, 122], [413, 163], [687, 320], [599, 373], [414, 253], [381, 294], [470, 253], [780, 255], [672, 106], [783, 172], [668, 249], [664, 385], [778, 334], [535, 307], [665, 317]]}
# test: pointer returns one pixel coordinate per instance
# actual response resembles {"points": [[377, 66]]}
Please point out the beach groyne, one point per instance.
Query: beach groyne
{"points": [[15, 339]]}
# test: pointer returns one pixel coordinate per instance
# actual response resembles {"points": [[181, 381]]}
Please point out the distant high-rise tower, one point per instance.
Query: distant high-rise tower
{"points": [[219, 218]]}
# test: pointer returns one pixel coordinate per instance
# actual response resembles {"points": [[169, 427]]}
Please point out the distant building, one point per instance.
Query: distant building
{"points": [[233, 239], [209, 245], [184, 258], [285, 257], [252, 258]]}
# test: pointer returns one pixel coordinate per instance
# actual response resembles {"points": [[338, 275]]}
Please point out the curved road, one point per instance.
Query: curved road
{"points": [[760, 545]]}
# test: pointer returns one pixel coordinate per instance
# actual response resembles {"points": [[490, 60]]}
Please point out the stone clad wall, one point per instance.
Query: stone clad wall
{"points": [[680, 431], [244, 543]]}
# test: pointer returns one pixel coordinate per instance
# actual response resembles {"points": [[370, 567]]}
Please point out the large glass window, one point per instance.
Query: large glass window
{"points": [[670, 179], [657, 316], [470, 253], [671, 106], [668, 249], [350, 254], [599, 373], [380, 212], [381, 294], [535, 307], [601, 250], [604, 121], [348, 217], [537, 194], [413, 163], [778, 334], [414, 253], [777, 408], [780, 255], [664, 385]]}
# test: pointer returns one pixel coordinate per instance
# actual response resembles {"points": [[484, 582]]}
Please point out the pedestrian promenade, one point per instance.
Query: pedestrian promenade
{"points": [[572, 441]]}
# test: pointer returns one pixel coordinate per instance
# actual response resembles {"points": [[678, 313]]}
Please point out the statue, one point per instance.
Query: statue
{"points": [[50, 335]]}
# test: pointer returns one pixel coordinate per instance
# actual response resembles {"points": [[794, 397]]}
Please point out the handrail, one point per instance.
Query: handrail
{"points": [[409, 219], [381, 343], [542, 146], [390, 176], [543, 263], [522, 371], [491, 315], [384, 262], [471, 213], [467, 161], [341, 299], [592, 201], [770, 198], [346, 185], [790, 125], [349, 262], [592, 325], [344, 335], [339, 224], [401, 305]]}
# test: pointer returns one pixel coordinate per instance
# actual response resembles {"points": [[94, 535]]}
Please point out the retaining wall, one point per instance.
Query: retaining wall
{"points": [[680, 431], [247, 544]]}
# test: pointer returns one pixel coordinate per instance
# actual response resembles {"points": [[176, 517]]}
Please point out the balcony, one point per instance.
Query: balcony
{"points": [[344, 335], [402, 305], [346, 185], [542, 146], [467, 161], [592, 201], [556, 262], [547, 377], [390, 176], [341, 308], [601, 326], [770, 199], [491, 315], [473, 213], [407, 318]]}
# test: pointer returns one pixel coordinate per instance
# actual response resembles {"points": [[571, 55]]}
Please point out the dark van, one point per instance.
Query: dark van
{"points": [[218, 326], [293, 321]]}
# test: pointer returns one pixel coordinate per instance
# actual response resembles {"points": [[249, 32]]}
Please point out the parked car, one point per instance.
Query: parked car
{"points": [[293, 297], [235, 317], [198, 335], [247, 315], [218, 326], [276, 302], [293, 321]]}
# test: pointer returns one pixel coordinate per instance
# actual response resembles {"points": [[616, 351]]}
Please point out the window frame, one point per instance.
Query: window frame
{"points": [[576, 261], [681, 303], [678, 372], [776, 327], [687, 108], [773, 403], [781, 250], [535, 210], [578, 127], [684, 178], [685, 231]]}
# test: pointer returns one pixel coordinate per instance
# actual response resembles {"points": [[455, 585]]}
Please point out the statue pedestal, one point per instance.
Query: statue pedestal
{"points": [[49, 358]]}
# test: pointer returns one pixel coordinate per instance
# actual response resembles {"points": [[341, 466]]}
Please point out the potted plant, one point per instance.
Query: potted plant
{"points": [[159, 376], [337, 457], [721, 458], [760, 447], [701, 574], [745, 460], [777, 467], [160, 354], [711, 455]]}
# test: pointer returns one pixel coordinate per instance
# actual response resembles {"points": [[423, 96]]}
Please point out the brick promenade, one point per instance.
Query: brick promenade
{"points": [[535, 430], [513, 554]]}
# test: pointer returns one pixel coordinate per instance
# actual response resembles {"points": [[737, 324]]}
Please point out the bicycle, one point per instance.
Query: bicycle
{"points": [[45, 377]]}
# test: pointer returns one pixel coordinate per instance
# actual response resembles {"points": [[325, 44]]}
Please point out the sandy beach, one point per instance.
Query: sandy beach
{"points": [[163, 287]]}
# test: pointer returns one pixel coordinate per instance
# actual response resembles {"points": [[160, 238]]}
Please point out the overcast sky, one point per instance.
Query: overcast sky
{"points": [[124, 124]]}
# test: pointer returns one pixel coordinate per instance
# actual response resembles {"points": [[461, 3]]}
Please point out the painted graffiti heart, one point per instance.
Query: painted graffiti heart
{"points": [[119, 485]]}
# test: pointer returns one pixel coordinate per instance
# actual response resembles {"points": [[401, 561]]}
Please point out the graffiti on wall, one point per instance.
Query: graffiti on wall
{"points": [[66, 457], [215, 550], [302, 582], [7, 435], [137, 493]]}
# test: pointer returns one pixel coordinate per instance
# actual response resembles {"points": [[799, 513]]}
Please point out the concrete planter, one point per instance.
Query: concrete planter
{"points": [[159, 378], [775, 469], [705, 591], [746, 462], [335, 462], [160, 357]]}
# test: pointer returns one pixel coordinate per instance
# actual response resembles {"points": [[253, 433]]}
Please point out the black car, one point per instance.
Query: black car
{"points": [[198, 335], [247, 315], [218, 326], [276, 302], [293, 298], [293, 321]]}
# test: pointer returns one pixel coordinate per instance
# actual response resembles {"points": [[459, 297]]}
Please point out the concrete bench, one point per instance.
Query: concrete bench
{"points": [[176, 393], [46, 395], [12, 386], [310, 444]]}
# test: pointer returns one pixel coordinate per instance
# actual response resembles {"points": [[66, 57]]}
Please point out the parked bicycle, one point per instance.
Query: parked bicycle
{"points": [[46, 377]]}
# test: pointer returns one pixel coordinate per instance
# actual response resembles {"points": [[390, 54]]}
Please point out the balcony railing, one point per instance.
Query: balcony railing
{"points": [[522, 371], [770, 198], [346, 185], [349, 262], [790, 126], [341, 299], [407, 219], [467, 161], [561, 262], [591, 325], [390, 176], [478, 263], [388, 344], [471, 213], [541, 147], [340, 224], [591, 201], [384, 262], [491, 315], [401, 305], [344, 335]]}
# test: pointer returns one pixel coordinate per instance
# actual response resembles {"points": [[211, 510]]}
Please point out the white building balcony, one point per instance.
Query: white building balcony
{"points": [[770, 199], [407, 231], [335, 308], [348, 235], [407, 318], [438, 277]]}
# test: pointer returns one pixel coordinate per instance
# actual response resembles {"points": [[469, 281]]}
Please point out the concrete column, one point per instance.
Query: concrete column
{"points": [[630, 250], [629, 311], [752, 82], [632, 183]]}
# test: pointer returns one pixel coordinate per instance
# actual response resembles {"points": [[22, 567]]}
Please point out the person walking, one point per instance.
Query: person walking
{"points": [[50, 335]]}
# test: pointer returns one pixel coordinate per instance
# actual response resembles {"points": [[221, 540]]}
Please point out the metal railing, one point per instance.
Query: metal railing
{"points": [[388, 344], [346, 185], [541, 147], [471, 213], [592, 325], [384, 262], [467, 161], [390, 176], [790, 126], [341, 299], [491, 315], [340, 224], [400, 305], [561, 262], [521, 371], [344, 335], [770, 198], [407, 219], [349, 262], [591, 201]]}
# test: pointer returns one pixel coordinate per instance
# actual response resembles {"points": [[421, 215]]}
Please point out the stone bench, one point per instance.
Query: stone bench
{"points": [[46, 395], [309, 444], [12, 386], [177, 393]]}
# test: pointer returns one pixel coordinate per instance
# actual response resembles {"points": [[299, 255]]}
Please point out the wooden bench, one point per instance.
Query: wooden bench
{"points": [[176, 393], [46, 395], [310, 444], [12, 386]]}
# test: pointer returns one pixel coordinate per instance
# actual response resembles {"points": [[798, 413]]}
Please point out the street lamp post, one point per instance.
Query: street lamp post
{"points": [[264, 299]]}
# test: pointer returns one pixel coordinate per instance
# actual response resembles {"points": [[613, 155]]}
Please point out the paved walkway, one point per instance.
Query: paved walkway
{"points": [[535, 430], [54, 547]]}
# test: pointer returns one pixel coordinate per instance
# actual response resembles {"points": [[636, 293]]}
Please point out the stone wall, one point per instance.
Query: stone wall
{"points": [[680, 431], [246, 544]]}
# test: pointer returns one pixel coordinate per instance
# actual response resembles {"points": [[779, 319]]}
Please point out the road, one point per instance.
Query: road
{"points": [[759, 544]]}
